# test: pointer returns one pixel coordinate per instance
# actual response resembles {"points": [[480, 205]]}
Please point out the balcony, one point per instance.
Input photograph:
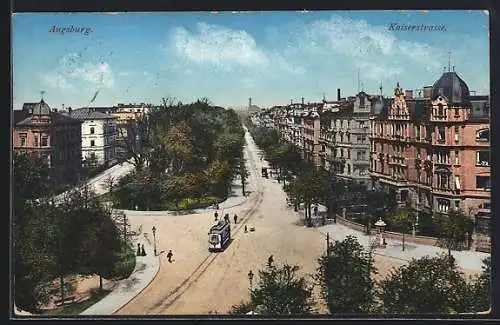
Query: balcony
{"points": [[363, 130], [361, 162], [337, 160], [443, 162], [442, 191], [440, 117]]}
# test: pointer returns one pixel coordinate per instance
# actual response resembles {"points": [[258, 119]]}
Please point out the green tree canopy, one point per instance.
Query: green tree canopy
{"points": [[453, 228], [280, 291], [344, 275], [425, 285], [481, 288]]}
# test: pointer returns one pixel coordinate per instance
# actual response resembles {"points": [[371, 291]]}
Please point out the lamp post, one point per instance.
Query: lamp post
{"points": [[250, 278], [327, 244], [154, 238]]}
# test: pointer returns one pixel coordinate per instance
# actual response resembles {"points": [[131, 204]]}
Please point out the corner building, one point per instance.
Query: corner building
{"points": [[433, 150]]}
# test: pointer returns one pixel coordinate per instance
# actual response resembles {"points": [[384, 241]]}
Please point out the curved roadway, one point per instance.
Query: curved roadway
{"points": [[199, 282]]}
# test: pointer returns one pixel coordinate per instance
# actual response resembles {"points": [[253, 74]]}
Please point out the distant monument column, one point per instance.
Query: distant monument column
{"points": [[249, 103]]}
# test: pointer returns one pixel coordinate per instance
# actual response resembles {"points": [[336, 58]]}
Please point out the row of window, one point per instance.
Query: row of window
{"points": [[38, 140], [347, 123], [443, 155], [339, 152], [398, 130], [107, 130], [348, 169], [443, 180]]}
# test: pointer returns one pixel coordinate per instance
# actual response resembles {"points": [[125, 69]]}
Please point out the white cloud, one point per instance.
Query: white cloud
{"points": [[71, 70], [125, 73], [57, 81], [374, 49], [218, 45]]}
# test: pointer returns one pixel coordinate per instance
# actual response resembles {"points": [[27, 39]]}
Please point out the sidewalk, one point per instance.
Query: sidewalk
{"points": [[98, 183], [470, 260], [145, 271]]}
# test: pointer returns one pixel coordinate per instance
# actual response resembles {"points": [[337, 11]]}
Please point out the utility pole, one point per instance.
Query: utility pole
{"points": [[327, 243]]}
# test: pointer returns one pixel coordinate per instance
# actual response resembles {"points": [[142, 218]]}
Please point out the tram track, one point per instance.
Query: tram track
{"points": [[165, 302]]}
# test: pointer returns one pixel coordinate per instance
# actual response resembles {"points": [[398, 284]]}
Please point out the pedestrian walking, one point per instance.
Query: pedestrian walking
{"points": [[169, 256], [235, 218], [270, 261], [316, 211], [217, 206], [143, 252], [138, 249], [246, 230], [216, 215]]}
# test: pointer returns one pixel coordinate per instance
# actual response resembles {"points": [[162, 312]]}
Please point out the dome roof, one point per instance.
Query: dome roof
{"points": [[41, 108], [451, 86]]}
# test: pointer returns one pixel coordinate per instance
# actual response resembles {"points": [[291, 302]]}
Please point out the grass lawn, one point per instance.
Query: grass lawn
{"points": [[189, 204], [76, 308], [185, 204]]}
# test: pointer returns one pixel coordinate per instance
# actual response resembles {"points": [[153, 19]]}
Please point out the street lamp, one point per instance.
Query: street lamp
{"points": [[154, 238], [250, 277]]}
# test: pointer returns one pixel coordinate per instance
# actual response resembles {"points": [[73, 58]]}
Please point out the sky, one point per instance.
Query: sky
{"points": [[272, 57]]}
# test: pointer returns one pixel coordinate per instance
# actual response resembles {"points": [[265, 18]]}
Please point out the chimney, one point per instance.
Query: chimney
{"points": [[427, 91], [250, 102], [338, 94], [291, 101], [69, 110], [302, 100], [408, 94]]}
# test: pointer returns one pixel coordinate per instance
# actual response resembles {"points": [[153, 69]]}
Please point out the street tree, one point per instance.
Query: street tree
{"points": [[35, 260], [344, 276], [425, 285], [136, 142], [453, 230], [180, 147], [109, 184], [280, 290], [401, 221], [219, 174], [30, 176], [311, 187], [100, 244], [481, 288], [243, 175], [194, 184]]}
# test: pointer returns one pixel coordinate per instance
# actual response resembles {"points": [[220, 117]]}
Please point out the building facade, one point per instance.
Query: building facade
{"points": [[39, 129], [433, 150], [99, 132], [345, 138]]}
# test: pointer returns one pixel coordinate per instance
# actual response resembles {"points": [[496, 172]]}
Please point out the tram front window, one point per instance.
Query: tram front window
{"points": [[214, 239]]}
